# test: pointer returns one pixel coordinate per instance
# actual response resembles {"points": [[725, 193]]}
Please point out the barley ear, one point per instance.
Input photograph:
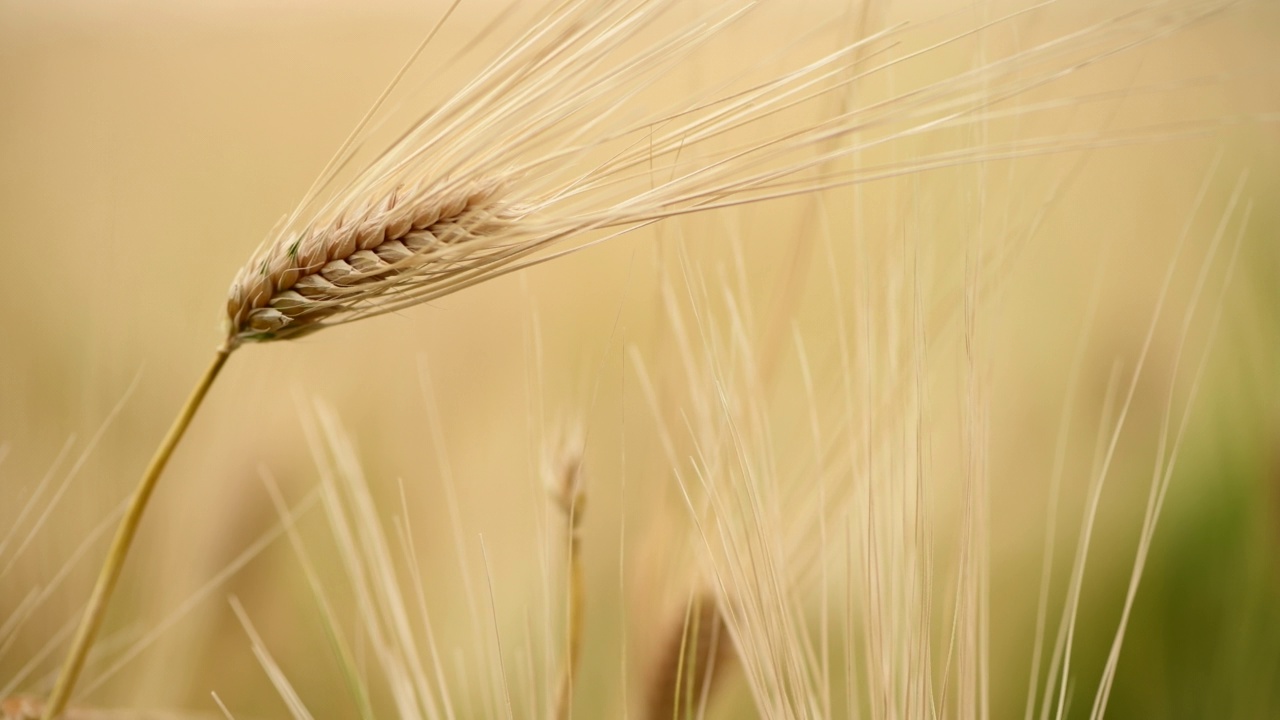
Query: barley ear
{"points": [[96, 610], [380, 248]]}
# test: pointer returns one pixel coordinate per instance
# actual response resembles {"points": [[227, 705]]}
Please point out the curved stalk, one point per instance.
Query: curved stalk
{"points": [[111, 567]]}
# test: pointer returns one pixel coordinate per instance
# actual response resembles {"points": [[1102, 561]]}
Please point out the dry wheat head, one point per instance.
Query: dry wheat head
{"points": [[407, 236]]}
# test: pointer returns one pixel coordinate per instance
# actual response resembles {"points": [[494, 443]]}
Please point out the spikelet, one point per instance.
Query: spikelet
{"points": [[549, 146]]}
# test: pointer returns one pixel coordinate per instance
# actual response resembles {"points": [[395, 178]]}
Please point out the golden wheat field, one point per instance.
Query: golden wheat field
{"points": [[643, 358]]}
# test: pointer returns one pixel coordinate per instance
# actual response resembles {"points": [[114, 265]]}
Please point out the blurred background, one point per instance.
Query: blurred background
{"points": [[147, 147]]}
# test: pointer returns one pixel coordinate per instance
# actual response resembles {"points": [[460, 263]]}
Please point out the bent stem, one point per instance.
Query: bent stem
{"points": [[114, 562]]}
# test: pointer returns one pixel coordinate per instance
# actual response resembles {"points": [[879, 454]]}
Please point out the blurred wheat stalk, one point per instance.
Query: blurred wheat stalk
{"points": [[544, 153]]}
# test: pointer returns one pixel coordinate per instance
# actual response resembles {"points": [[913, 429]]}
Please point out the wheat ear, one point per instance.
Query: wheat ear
{"points": [[372, 249]]}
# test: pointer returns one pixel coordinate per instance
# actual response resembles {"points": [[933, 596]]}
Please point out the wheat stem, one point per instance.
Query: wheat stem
{"points": [[114, 562], [572, 500], [577, 599]]}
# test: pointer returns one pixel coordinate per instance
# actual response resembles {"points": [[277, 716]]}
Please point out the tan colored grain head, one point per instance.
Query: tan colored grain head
{"points": [[370, 252], [564, 475]]}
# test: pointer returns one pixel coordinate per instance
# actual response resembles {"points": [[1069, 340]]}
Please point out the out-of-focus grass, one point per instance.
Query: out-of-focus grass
{"points": [[1205, 642]]}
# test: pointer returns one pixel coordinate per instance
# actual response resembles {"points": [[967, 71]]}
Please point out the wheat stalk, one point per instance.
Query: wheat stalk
{"points": [[114, 563], [566, 477]]}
